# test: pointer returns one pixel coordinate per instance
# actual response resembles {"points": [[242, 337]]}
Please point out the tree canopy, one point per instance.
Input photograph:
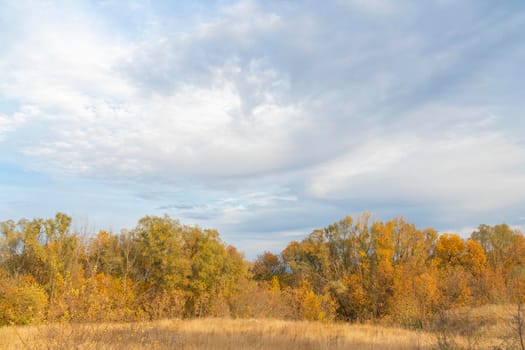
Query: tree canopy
{"points": [[354, 269]]}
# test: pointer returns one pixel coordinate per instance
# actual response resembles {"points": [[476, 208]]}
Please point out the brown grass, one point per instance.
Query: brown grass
{"points": [[213, 334], [487, 327]]}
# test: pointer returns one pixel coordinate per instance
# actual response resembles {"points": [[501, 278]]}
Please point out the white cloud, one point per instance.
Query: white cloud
{"points": [[103, 124], [232, 209], [381, 7], [9, 123], [347, 102], [465, 172]]}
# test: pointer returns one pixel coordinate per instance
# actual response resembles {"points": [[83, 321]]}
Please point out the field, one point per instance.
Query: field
{"points": [[478, 329], [214, 334]]}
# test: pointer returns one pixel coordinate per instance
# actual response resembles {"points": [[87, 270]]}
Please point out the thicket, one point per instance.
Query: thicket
{"points": [[354, 270]]}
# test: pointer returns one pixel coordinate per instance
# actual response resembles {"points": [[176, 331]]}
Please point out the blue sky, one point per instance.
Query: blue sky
{"points": [[263, 119]]}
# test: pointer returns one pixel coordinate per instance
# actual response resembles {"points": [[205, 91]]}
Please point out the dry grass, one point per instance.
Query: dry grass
{"points": [[213, 334], [488, 326]]}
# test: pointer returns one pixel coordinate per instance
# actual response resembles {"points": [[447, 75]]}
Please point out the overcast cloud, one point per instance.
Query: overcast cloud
{"points": [[263, 119]]}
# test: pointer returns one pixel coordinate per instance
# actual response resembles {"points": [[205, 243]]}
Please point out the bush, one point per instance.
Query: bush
{"points": [[22, 301]]}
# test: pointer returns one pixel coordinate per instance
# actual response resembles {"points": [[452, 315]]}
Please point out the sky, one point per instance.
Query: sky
{"points": [[263, 119]]}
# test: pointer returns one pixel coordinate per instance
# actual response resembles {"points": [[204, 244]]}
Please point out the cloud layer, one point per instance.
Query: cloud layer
{"points": [[242, 113]]}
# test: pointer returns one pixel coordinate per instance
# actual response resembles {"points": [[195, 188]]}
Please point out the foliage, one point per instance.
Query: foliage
{"points": [[22, 301], [356, 269]]}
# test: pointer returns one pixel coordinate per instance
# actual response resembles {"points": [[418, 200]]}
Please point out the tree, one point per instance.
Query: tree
{"points": [[267, 266], [216, 271], [449, 250]]}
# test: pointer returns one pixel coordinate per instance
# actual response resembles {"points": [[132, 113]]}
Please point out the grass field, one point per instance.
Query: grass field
{"points": [[476, 329]]}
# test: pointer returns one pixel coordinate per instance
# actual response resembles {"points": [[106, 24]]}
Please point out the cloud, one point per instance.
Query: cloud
{"points": [[232, 209], [231, 96], [474, 173], [9, 123], [346, 105], [102, 123]]}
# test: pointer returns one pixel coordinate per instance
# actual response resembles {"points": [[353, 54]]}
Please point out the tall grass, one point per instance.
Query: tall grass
{"points": [[213, 334], [485, 328]]}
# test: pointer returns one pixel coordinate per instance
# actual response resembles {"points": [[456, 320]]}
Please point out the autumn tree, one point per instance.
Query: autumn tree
{"points": [[162, 266], [268, 266], [505, 254], [355, 269], [216, 270]]}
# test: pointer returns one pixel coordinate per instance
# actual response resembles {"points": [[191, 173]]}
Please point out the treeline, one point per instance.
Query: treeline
{"points": [[352, 270], [392, 270]]}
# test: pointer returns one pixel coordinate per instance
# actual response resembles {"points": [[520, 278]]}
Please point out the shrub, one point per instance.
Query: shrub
{"points": [[22, 301]]}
